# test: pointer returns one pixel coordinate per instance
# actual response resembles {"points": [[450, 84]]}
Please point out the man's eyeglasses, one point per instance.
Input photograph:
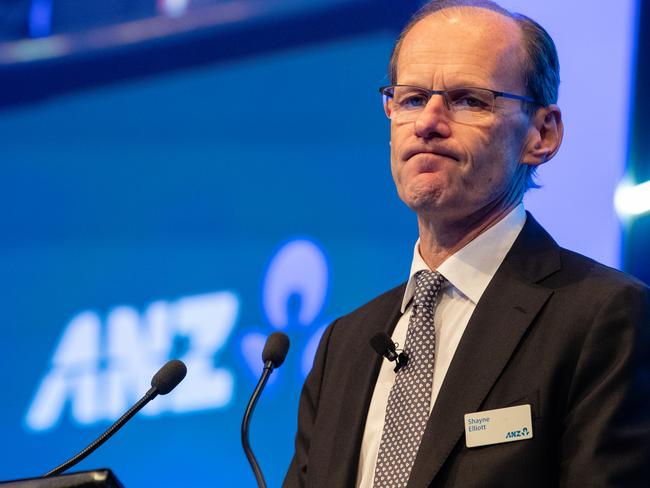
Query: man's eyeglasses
{"points": [[404, 103]]}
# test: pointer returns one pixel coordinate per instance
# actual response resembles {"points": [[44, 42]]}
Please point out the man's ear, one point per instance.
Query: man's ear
{"points": [[544, 136]]}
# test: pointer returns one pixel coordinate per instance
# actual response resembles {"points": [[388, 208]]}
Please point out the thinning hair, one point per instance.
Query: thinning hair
{"points": [[540, 72]]}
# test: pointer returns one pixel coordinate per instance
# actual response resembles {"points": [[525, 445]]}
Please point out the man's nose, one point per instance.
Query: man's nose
{"points": [[433, 121]]}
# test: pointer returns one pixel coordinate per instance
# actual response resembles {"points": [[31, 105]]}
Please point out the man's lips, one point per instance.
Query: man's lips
{"points": [[433, 152]]}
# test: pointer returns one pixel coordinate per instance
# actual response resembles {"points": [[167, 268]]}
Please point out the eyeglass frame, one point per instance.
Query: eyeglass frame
{"points": [[445, 94]]}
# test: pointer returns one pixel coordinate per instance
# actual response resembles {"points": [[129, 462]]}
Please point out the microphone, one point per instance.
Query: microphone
{"points": [[164, 381], [275, 350], [384, 346]]}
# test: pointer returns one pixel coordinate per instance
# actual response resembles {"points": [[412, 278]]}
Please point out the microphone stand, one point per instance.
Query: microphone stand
{"points": [[165, 380], [150, 395], [259, 477]]}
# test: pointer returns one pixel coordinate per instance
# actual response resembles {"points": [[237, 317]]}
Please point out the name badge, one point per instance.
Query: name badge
{"points": [[497, 426]]}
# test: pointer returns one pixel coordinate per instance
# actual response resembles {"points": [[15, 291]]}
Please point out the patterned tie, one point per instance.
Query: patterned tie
{"points": [[408, 404]]}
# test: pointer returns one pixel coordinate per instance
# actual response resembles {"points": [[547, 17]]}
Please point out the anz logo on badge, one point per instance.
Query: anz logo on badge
{"points": [[518, 433], [102, 364]]}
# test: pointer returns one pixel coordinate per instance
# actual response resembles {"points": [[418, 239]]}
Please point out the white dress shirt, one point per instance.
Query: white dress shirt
{"points": [[468, 273]]}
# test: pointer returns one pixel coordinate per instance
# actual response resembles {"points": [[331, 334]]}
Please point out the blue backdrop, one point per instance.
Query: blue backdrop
{"points": [[191, 213]]}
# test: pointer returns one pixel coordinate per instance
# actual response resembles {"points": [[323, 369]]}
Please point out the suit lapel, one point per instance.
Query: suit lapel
{"points": [[502, 316], [359, 386]]}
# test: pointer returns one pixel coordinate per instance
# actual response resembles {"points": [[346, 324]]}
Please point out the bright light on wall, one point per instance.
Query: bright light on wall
{"points": [[571, 188], [632, 200], [173, 8]]}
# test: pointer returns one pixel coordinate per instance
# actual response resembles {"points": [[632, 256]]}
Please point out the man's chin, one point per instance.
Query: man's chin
{"points": [[424, 202]]}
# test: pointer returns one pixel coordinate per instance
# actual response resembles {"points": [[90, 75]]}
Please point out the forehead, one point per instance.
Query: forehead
{"points": [[463, 44]]}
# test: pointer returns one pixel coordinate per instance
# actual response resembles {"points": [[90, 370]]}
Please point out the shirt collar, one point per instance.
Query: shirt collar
{"points": [[471, 268]]}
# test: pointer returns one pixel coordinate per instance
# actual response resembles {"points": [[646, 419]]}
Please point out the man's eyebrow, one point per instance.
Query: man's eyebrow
{"points": [[460, 81], [467, 81]]}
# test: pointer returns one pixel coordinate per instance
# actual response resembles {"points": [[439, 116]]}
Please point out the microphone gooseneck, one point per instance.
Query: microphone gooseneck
{"points": [[164, 381], [275, 350]]}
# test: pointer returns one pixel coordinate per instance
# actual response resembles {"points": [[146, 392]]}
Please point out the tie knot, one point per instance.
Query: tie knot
{"points": [[427, 287]]}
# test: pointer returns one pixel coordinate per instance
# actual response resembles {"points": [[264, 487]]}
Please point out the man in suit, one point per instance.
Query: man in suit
{"points": [[495, 316]]}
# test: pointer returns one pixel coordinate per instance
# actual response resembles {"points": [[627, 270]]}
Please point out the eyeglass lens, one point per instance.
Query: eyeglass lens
{"points": [[466, 105]]}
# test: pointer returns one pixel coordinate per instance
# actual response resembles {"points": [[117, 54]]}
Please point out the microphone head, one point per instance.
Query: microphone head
{"points": [[276, 348], [169, 376], [381, 343]]}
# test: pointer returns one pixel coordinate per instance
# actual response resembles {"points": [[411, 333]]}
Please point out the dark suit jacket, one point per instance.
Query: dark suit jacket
{"points": [[553, 329]]}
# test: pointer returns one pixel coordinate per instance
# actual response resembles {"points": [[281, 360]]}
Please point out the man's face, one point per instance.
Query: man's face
{"points": [[444, 168]]}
